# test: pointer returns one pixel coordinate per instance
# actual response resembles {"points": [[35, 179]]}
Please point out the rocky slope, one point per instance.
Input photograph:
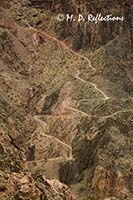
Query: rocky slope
{"points": [[65, 110]]}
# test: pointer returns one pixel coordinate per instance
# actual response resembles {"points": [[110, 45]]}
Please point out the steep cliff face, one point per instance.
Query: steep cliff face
{"points": [[53, 6], [91, 35]]}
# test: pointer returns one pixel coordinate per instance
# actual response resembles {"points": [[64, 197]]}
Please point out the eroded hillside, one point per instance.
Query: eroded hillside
{"points": [[65, 102]]}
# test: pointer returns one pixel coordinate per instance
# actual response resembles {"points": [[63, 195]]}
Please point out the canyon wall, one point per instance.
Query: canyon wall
{"points": [[89, 34]]}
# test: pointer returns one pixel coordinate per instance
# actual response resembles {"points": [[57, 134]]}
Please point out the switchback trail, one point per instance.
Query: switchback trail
{"points": [[44, 160], [76, 110], [100, 117], [117, 112], [73, 52], [53, 38], [42, 125], [93, 84]]}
